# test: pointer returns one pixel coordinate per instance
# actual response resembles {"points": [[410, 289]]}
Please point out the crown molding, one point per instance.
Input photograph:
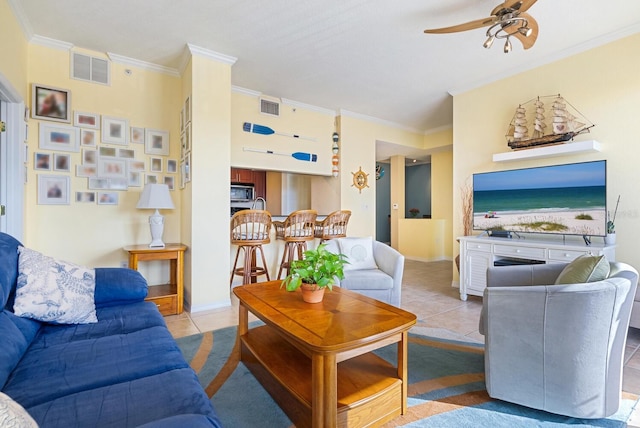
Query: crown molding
{"points": [[384, 122], [193, 50], [297, 104], [21, 17], [51, 43], [577, 49], [120, 59], [438, 129], [245, 91]]}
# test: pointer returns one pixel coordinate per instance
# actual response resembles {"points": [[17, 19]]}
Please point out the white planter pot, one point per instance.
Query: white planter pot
{"points": [[610, 239]]}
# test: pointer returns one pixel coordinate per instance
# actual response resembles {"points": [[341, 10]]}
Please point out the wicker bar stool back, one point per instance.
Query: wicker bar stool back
{"points": [[295, 231], [249, 229], [333, 226]]}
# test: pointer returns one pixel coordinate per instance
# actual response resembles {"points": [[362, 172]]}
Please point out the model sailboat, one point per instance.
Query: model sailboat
{"points": [[561, 126]]}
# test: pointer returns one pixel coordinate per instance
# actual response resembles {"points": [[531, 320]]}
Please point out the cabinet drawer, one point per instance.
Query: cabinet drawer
{"points": [[478, 246], [520, 252], [565, 255], [168, 305]]}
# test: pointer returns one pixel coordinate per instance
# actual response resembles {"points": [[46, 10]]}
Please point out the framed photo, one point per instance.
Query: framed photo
{"points": [[86, 171], [135, 179], [115, 130], [42, 161], [107, 198], [108, 152], [88, 137], [96, 183], [182, 119], [152, 179], [49, 103], [63, 138], [156, 142], [172, 166], [126, 153], [61, 162], [156, 164], [187, 138], [183, 145], [84, 197], [86, 120], [137, 135], [187, 110], [136, 165], [170, 181], [89, 157], [187, 168], [112, 168], [53, 189]]}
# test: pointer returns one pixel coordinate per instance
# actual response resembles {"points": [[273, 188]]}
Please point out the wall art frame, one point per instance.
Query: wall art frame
{"points": [[115, 130], [156, 142], [53, 189], [50, 103], [57, 137]]}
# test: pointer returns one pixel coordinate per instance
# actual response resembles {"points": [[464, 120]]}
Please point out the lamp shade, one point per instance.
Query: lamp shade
{"points": [[155, 196]]}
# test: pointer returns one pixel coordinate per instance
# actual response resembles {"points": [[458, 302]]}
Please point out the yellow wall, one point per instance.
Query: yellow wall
{"points": [[94, 234], [603, 85], [292, 120], [13, 51], [209, 201], [442, 196]]}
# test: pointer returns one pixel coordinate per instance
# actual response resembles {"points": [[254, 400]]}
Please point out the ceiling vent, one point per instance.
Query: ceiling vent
{"points": [[90, 69], [270, 107]]}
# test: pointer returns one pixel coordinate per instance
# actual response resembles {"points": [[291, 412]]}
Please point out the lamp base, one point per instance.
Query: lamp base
{"points": [[156, 223]]}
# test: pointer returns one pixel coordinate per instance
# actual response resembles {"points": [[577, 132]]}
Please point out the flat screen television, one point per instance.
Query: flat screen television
{"points": [[568, 199]]}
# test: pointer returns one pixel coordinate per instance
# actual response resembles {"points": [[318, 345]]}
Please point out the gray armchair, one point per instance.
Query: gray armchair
{"points": [[384, 283], [557, 348]]}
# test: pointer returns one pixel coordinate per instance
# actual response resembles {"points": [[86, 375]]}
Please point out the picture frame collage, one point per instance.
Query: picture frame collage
{"points": [[185, 143], [113, 156]]}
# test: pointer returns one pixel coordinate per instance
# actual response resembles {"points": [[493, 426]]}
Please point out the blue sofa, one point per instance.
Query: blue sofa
{"points": [[123, 371]]}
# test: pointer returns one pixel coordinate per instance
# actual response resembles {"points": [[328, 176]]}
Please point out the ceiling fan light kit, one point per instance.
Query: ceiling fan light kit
{"points": [[506, 20]]}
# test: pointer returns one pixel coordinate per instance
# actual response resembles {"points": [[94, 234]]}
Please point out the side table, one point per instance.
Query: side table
{"points": [[168, 297]]}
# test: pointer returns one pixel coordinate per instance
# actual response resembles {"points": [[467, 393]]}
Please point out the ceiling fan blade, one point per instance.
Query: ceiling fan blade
{"points": [[528, 42], [478, 23]]}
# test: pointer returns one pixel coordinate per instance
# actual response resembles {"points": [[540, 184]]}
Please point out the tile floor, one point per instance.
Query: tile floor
{"points": [[427, 292]]}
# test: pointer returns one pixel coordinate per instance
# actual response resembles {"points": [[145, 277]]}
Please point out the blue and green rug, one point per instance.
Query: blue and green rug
{"points": [[446, 388]]}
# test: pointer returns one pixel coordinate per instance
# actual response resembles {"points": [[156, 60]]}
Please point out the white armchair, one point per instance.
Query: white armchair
{"points": [[382, 283], [557, 348]]}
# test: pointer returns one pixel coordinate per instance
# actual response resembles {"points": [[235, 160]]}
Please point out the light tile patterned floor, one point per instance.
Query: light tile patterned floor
{"points": [[427, 292]]}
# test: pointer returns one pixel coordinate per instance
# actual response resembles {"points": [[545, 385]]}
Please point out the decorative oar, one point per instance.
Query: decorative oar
{"points": [[265, 130], [308, 157]]}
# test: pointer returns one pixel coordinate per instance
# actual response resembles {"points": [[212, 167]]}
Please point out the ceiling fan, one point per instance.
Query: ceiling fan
{"points": [[506, 20]]}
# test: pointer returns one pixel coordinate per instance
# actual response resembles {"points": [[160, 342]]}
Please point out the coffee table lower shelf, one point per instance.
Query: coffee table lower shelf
{"points": [[369, 391]]}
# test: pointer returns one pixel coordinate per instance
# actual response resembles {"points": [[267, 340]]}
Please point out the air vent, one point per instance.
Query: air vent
{"points": [[84, 67], [269, 107]]}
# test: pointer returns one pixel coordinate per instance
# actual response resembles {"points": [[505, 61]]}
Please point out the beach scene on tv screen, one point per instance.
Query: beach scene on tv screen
{"points": [[564, 199]]}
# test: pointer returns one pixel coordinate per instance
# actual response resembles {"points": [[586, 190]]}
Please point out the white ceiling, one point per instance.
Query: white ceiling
{"points": [[365, 56]]}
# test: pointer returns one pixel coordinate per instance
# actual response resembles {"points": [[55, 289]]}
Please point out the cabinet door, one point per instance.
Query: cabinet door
{"points": [[476, 264], [240, 175], [260, 183]]}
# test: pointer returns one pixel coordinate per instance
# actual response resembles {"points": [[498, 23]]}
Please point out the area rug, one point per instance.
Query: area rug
{"points": [[446, 388]]}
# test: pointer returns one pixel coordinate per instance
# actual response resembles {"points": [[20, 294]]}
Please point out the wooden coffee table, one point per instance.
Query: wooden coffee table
{"points": [[315, 359]]}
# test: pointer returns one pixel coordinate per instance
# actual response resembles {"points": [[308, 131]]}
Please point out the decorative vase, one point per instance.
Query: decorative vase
{"points": [[311, 293], [610, 239]]}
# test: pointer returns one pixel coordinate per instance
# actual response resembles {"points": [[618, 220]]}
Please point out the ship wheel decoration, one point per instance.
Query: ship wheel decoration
{"points": [[360, 180]]}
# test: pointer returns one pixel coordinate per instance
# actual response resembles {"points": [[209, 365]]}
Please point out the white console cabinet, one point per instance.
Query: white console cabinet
{"points": [[478, 253]]}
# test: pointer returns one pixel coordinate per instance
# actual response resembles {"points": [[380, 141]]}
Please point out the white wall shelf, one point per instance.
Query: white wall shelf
{"points": [[549, 151]]}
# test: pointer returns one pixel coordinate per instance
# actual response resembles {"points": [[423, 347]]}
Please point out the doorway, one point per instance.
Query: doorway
{"points": [[12, 161]]}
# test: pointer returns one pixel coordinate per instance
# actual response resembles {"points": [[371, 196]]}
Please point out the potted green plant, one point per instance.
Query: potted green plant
{"points": [[414, 212], [314, 273]]}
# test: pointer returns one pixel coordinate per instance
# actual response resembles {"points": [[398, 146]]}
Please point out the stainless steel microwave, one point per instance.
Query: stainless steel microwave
{"points": [[242, 192]]}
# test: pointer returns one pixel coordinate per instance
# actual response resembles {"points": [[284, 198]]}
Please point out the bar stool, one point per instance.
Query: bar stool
{"points": [[250, 229], [295, 231], [333, 226]]}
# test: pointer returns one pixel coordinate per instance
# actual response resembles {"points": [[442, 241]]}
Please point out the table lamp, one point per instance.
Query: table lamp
{"points": [[155, 197]]}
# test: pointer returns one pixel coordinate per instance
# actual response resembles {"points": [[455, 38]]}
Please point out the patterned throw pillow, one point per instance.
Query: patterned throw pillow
{"points": [[13, 415], [54, 291], [359, 252]]}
